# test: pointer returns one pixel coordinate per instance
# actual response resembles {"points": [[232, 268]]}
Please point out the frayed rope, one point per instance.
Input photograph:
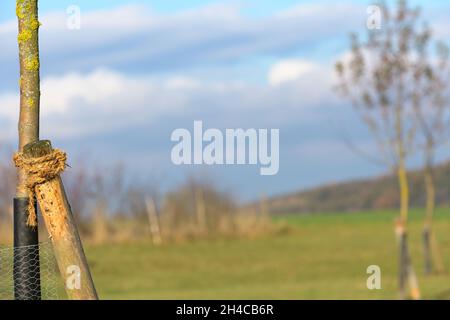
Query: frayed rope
{"points": [[39, 171]]}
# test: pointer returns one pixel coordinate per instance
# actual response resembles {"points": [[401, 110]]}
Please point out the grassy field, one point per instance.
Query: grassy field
{"points": [[322, 257]]}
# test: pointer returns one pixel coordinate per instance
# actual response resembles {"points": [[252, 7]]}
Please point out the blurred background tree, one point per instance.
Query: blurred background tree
{"points": [[430, 103], [389, 79]]}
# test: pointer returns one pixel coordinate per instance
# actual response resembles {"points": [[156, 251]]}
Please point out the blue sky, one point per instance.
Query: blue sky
{"points": [[137, 70], [251, 7]]}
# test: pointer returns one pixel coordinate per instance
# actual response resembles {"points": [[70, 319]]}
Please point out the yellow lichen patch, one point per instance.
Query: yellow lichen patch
{"points": [[28, 19], [32, 64], [34, 24], [30, 102], [24, 10], [24, 35], [19, 9]]}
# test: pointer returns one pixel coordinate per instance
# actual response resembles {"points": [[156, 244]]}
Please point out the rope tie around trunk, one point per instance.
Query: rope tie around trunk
{"points": [[39, 171]]}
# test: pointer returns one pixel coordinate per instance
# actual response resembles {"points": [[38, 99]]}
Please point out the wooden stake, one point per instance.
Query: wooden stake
{"points": [[264, 206], [63, 232], [153, 221], [200, 208]]}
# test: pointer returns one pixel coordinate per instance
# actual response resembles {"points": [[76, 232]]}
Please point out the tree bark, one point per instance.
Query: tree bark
{"points": [[27, 13], [432, 254], [407, 274], [430, 197]]}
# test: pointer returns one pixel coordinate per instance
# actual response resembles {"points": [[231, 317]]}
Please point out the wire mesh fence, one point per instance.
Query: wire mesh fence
{"points": [[35, 271]]}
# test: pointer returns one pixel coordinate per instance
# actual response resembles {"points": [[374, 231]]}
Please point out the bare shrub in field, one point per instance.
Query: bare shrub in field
{"points": [[114, 208], [250, 224], [7, 188], [107, 197], [78, 181], [198, 209], [101, 204]]}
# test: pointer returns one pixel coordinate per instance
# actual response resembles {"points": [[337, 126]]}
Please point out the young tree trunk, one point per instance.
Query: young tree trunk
{"points": [[432, 255], [403, 258], [406, 270], [430, 197], [27, 13], [401, 231], [27, 272]]}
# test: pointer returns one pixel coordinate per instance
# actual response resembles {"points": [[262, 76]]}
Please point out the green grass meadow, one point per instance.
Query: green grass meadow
{"points": [[320, 257]]}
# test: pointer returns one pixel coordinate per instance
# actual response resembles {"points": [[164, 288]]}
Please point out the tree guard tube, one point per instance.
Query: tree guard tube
{"points": [[26, 272]]}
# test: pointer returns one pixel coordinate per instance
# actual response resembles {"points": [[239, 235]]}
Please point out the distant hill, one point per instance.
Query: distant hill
{"points": [[376, 193]]}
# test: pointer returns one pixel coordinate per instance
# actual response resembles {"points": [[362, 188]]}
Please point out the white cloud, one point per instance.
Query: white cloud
{"points": [[180, 82], [103, 100], [94, 88], [8, 27], [290, 70], [77, 104], [135, 37], [9, 105], [83, 96]]}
